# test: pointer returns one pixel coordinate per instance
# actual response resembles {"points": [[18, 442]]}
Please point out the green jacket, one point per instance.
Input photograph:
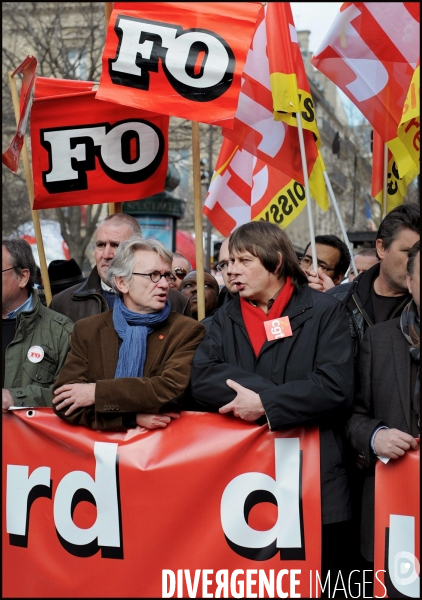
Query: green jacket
{"points": [[31, 383]]}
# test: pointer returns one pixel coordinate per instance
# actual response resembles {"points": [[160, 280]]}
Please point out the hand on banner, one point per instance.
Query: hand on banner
{"points": [[74, 395], [155, 421], [393, 443], [247, 405], [320, 282], [6, 400]]}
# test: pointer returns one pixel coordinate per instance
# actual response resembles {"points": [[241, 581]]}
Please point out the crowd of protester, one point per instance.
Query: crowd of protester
{"points": [[122, 347]]}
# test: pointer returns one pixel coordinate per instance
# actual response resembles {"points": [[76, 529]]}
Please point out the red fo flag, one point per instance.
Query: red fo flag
{"points": [[86, 151], [185, 58], [11, 157]]}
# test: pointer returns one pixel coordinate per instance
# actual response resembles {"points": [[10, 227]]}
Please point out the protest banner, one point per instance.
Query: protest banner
{"points": [[86, 151], [210, 506], [397, 527]]}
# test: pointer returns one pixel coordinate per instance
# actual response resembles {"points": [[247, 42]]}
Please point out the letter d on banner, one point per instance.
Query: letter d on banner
{"points": [[103, 492], [249, 489]]}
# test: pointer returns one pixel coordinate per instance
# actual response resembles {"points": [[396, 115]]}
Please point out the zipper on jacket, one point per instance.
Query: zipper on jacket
{"points": [[362, 313]]}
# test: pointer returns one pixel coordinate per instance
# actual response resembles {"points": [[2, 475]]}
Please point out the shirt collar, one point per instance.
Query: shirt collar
{"points": [[106, 287], [25, 307]]}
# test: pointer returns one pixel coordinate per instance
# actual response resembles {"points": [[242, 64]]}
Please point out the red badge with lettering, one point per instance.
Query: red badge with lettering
{"points": [[278, 328]]}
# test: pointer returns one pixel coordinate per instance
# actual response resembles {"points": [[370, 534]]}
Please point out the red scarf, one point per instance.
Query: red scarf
{"points": [[255, 317]]}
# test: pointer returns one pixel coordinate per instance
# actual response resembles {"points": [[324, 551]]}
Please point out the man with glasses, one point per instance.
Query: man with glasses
{"points": [[333, 260], [95, 295], [35, 339], [181, 267], [130, 366]]}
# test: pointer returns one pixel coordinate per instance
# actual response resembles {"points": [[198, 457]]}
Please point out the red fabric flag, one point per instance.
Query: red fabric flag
{"points": [[11, 157], [86, 151], [185, 58], [370, 53], [245, 188], [255, 130]]}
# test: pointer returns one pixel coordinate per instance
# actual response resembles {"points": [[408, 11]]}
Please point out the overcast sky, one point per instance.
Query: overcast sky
{"points": [[315, 16]]}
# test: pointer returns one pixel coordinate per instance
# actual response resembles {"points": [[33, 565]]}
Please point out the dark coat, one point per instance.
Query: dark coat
{"points": [[356, 296], [305, 379], [93, 359], [86, 300], [384, 398]]}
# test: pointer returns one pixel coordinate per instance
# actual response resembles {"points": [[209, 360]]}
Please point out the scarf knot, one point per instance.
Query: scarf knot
{"points": [[133, 329]]}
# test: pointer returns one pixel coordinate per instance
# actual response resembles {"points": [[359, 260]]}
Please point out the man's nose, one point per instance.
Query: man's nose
{"points": [[108, 252]]}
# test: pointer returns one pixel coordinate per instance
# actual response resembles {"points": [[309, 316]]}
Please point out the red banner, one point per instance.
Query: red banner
{"points": [[86, 151], [211, 506], [397, 527], [184, 57]]}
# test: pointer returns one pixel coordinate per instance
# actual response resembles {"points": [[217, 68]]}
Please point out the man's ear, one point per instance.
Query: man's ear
{"points": [[121, 284], [23, 278], [379, 246], [279, 263]]}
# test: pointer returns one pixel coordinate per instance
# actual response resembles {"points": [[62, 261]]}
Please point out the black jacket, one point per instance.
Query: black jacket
{"points": [[384, 398], [356, 296], [86, 300], [305, 379]]}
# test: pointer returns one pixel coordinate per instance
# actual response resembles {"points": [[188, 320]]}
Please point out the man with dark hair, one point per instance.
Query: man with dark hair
{"points": [[35, 339], [95, 295], [211, 291], [364, 260], [333, 260], [380, 293], [303, 377], [385, 416]]}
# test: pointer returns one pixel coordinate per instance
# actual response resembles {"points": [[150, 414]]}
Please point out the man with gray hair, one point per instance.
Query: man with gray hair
{"points": [[35, 339], [95, 295], [131, 365]]}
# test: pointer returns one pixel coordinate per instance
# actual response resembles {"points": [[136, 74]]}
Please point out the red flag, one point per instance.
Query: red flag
{"points": [[86, 151], [184, 57], [11, 157], [245, 188], [274, 142], [370, 53]]}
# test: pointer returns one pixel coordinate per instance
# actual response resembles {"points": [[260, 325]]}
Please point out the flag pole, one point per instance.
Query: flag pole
{"points": [[384, 182], [113, 207], [30, 187], [197, 199], [339, 217], [307, 193]]}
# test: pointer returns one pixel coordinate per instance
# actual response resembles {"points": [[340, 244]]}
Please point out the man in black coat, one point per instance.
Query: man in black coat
{"points": [[386, 413], [305, 378]]}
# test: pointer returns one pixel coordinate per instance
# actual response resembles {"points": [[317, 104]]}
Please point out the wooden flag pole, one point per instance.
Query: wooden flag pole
{"points": [[340, 220], [307, 192], [30, 187], [113, 207], [197, 199]]}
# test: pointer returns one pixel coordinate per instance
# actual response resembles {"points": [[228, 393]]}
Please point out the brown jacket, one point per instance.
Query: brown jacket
{"points": [[93, 359]]}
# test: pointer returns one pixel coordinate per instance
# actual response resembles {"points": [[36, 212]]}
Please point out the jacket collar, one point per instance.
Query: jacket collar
{"points": [[296, 310], [91, 285]]}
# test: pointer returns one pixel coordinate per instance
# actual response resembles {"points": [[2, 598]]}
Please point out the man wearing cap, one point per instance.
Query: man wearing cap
{"points": [[62, 274], [95, 296], [35, 339]]}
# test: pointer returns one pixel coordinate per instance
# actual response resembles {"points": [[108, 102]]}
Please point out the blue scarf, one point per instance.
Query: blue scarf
{"points": [[133, 328]]}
